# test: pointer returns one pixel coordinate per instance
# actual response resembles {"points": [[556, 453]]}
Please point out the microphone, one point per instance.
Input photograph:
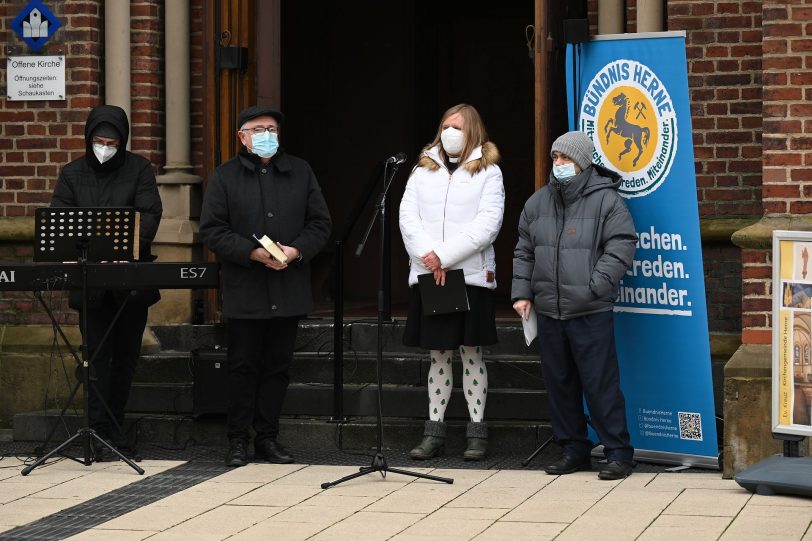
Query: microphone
{"points": [[397, 159]]}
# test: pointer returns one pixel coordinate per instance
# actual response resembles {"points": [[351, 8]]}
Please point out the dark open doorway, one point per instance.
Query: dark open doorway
{"points": [[363, 80]]}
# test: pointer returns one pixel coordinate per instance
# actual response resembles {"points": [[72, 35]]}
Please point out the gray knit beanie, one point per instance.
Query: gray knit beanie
{"points": [[577, 145]]}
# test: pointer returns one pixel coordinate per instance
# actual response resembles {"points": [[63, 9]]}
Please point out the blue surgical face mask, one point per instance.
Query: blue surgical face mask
{"points": [[565, 172], [264, 144]]}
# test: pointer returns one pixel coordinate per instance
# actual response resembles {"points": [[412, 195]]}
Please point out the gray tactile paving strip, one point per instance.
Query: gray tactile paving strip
{"points": [[118, 502]]}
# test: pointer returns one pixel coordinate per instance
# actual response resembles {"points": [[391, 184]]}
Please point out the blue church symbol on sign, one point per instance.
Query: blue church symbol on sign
{"points": [[35, 24]]}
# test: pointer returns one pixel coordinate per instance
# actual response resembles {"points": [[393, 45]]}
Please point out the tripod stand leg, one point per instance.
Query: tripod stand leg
{"points": [[361, 473], [379, 465], [541, 447], [129, 462], [54, 451], [422, 475]]}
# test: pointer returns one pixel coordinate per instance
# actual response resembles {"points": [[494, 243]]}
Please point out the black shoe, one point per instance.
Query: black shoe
{"points": [[237, 453], [130, 452], [614, 470], [569, 464], [102, 453], [272, 451]]}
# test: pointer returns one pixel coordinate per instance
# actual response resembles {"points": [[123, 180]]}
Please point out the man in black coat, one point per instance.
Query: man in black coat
{"points": [[108, 175], [262, 191]]}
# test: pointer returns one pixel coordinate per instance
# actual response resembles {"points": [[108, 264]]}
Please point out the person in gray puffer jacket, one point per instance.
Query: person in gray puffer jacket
{"points": [[576, 240]]}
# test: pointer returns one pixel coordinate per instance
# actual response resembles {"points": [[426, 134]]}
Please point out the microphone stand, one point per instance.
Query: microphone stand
{"points": [[379, 460]]}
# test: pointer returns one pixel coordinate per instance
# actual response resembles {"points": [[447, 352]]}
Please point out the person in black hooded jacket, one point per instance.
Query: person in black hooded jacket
{"points": [[108, 175]]}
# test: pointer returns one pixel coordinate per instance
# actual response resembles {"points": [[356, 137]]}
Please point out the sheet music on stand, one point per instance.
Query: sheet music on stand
{"points": [[111, 233]]}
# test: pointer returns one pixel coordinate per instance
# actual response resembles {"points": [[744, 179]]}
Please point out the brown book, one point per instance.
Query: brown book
{"points": [[272, 247]]}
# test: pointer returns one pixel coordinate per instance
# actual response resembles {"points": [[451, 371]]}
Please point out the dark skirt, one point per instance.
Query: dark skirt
{"points": [[476, 327]]}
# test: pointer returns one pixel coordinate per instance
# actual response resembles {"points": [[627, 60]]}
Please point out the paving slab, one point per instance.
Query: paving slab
{"points": [[286, 502]]}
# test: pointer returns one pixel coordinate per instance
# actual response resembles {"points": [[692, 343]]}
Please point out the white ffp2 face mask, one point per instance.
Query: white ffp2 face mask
{"points": [[103, 152], [453, 140]]}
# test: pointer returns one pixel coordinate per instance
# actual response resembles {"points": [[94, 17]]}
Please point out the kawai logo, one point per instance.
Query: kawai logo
{"points": [[7, 276], [628, 114]]}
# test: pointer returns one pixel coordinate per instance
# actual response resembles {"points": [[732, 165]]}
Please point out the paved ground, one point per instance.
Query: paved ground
{"points": [[202, 500]]}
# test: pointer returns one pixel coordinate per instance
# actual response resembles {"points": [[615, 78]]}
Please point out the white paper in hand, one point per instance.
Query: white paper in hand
{"points": [[530, 326]]}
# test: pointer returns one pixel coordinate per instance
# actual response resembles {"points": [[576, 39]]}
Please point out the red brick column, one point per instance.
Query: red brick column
{"points": [[147, 72]]}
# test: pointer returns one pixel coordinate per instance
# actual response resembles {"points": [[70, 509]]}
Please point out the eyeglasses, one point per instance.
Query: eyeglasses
{"points": [[259, 129], [112, 143]]}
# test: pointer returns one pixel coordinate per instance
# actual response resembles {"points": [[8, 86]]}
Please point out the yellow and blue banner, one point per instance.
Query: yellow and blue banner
{"points": [[629, 93]]}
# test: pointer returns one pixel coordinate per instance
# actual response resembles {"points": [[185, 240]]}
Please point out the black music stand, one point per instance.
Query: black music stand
{"points": [[379, 460], [85, 234]]}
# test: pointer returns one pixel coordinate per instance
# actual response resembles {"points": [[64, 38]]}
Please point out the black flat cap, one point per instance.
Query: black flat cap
{"points": [[258, 110]]}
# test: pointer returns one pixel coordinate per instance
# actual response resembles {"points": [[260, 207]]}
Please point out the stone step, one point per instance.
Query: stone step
{"points": [[178, 431], [317, 335], [506, 371], [359, 400]]}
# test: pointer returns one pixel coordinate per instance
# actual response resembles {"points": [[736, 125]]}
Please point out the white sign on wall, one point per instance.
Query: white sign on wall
{"points": [[35, 78]]}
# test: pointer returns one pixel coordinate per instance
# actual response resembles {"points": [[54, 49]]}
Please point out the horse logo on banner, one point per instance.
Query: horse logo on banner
{"points": [[631, 133], [627, 111]]}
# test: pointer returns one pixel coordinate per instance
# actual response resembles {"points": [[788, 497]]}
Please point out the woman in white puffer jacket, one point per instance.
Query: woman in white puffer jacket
{"points": [[450, 215]]}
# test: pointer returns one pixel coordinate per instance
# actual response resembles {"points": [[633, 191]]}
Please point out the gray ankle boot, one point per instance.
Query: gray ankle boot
{"points": [[477, 436], [433, 443]]}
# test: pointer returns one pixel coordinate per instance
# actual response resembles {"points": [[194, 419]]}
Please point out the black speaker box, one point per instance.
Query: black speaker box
{"points": [[210, 369]]}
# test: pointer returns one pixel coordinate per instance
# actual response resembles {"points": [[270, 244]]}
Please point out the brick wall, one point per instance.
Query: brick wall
{"points": [[147, 77], [723, 286], [197, 83], [38, 137], [723, 47], [787, 140], [787, 107]]}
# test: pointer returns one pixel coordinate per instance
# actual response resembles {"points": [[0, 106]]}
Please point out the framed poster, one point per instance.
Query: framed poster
{"points": [[792, 333]]}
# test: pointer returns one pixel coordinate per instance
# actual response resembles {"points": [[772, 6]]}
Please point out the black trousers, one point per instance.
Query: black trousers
{"points": [[578, 361], [112, 370], [259, 355]]}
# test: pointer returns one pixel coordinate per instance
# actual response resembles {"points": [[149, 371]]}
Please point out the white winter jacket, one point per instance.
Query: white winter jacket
{"points": [[456, 215]]}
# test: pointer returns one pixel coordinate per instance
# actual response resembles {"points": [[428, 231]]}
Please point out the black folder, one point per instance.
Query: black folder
{"points": [[447, 299]]}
